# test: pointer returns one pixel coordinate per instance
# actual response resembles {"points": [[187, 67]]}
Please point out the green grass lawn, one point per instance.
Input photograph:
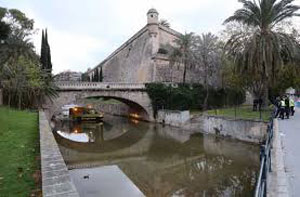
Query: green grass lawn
{"points": [[19, 153], [242, 112]]}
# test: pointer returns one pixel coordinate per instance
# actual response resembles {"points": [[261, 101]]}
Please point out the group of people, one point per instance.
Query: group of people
{"points": [[285, 107]]}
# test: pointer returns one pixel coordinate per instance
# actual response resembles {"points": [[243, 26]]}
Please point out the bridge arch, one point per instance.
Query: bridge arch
{"points": [[135, 109], [134, 95]]}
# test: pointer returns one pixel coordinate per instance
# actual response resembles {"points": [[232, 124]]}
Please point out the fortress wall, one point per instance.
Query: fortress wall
{"points": [[167, 73], [131, 63], [166, 37]]}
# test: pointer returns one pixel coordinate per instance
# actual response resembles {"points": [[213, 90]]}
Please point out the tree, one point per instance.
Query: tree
{"points": [[182, 52], [4, 31], [96, 75], [288, 77], [264, 51], [23, 82], [45, 53], [15, 28], [85, 77], [207, 52], [101, 75], [164, 23]]}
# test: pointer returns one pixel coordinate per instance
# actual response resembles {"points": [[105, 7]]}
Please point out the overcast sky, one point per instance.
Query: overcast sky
{"points": [[82, 33]]}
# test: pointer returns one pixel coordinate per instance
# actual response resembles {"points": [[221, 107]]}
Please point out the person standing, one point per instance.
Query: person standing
{"points": [[282, 108], [292, 106], [287, 107], [277, 106]]}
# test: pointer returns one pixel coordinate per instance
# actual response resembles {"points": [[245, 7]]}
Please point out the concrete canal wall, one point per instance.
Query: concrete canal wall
{"points": [[173, 117], [56, 180], [244, 130]]}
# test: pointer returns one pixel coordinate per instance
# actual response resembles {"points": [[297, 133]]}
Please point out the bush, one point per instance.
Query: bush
{"points": [[190, 96]]}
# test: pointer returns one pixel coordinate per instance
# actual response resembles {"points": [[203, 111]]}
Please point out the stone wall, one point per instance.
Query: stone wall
{"points": [[137, 100], [130, 63], [167, 73], [164, 72], [133, 61], [138, 59], [172, 117], [113, 109], [244, 130], [56, 180]]}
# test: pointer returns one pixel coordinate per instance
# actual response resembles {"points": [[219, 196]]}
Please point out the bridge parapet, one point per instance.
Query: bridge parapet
{"points": [[67, 85]]}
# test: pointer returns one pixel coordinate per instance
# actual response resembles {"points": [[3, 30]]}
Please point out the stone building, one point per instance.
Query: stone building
{"points": [[143, 57], [68, 76]]}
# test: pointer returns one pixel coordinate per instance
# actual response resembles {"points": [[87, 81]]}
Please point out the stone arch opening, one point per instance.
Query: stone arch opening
{"points": [[135, 110]]}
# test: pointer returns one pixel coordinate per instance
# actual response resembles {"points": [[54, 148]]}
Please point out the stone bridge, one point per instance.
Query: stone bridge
{"points": [[132, 94]]}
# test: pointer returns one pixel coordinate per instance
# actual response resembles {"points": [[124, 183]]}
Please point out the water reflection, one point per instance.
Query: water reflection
{"points": [[162, 161]]}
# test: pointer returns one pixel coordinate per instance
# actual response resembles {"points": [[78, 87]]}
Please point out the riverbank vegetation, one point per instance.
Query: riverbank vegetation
{"points": [[257, 52], [241, 112], [24, 78], [19, 150], [191, 96], [261, 51]]}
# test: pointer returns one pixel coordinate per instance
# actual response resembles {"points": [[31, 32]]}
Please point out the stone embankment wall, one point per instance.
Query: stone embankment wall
{"points": [[244, 130], [172, 117], [56, 180]]}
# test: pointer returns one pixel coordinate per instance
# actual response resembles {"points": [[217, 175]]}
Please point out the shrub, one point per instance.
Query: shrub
{"points": [[190, 96]]}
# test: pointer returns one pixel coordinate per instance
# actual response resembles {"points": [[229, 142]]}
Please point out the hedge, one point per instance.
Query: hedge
{"points": [[191, 96]]}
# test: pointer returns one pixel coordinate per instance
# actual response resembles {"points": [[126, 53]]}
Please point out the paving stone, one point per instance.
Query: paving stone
{"points": [[53, 163], [58, 166], [56, 179], [51, 155], [56, 173], [58, 189], [74, 194], [54, 158]]}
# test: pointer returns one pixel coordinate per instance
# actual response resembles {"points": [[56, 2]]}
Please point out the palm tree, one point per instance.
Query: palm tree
{"points": [[182, 53], [208, 58], [263, 52], [164, 23]]}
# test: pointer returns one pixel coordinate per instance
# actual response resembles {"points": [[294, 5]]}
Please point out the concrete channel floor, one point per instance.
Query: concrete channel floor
{"points": [[107, 181], [290, 134]]}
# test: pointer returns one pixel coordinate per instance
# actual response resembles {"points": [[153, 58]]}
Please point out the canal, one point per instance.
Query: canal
{"points": [[157, 160]]}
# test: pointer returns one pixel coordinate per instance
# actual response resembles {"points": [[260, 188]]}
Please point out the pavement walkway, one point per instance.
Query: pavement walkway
{"points": [[290, 134]]}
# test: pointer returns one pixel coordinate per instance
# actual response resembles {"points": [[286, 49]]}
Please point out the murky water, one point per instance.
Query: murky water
{"points": [[161, 161]]}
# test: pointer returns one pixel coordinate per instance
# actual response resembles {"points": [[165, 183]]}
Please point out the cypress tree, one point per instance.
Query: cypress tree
{"points": [[96, 75], [45, 53], [93, 78], [101, 75], [49, 64]]}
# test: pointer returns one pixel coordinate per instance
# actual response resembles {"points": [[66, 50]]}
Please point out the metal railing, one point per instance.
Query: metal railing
{"points": [[265, 161]]}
